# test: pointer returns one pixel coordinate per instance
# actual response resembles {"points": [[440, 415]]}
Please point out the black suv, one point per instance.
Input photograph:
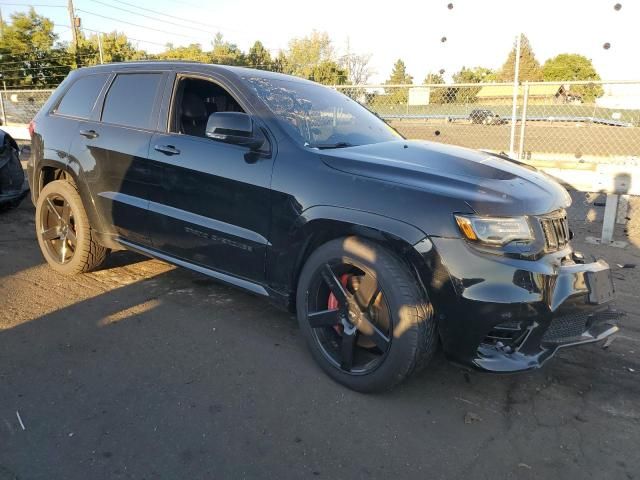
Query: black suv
{"points": [[386, 248]]}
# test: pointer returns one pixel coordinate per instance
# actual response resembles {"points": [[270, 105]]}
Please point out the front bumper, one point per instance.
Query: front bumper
{"points": [[502, 314]]}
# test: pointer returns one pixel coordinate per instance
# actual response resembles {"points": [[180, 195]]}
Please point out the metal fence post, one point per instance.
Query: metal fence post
{"points": [[523, 121], [609, 221], [514, 111], [2, 112]]}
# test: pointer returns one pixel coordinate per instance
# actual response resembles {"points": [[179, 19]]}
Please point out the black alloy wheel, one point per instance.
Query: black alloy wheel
{"points": [[365, 318], [350, 318], [57, 228]]}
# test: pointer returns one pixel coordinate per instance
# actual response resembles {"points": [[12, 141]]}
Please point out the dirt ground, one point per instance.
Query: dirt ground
{"points": [[145, 371]]}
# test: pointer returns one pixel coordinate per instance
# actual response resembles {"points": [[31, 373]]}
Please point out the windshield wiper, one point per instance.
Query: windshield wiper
{"points": [[325, 146]]}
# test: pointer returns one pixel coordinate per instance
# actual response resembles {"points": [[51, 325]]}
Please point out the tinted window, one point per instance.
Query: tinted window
{"points": [[130, 100], [80, 98]]}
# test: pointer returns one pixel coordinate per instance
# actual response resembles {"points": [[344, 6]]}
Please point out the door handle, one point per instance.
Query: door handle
{"points": [[167, 149], [89, 133]]}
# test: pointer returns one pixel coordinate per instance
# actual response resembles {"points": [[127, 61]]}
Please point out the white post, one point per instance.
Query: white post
{"points": [[523, 121], [609, 221], [3, 115], [516, 72], [100, 47]]}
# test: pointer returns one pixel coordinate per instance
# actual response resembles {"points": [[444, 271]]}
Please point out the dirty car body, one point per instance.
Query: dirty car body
{"points": [[485, 237], [13, 182]]}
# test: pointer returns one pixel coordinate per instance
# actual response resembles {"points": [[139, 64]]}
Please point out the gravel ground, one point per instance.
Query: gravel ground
{"points": [[142, 370]]}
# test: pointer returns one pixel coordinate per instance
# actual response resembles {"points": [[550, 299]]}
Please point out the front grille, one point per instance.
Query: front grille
{"points": [[572, 326], [556, 230]]}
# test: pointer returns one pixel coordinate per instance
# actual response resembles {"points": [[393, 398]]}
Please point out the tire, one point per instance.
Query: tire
{"points": [[410, 327], [57, 200]]}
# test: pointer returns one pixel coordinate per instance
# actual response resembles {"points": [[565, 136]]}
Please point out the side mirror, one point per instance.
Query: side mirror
{"points": [[233, 127]]}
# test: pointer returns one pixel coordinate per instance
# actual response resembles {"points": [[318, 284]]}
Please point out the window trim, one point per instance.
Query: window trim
{"points": [[53, 110], [156, 101], [179, 76]]}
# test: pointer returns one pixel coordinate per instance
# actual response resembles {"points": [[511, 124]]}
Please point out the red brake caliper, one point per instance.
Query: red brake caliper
{"points": [[332, 303]]}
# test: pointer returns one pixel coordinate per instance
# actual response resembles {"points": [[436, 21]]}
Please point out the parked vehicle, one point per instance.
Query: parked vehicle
{"points": [[486, 117], [385, 248], [13, 182]]}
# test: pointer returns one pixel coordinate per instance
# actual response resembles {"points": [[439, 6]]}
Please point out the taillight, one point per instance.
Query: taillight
{"points": [[32, 128]]}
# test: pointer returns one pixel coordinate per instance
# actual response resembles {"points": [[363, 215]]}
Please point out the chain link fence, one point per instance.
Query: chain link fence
{"points": [[565, 125], [589, 121], [18, 107]]}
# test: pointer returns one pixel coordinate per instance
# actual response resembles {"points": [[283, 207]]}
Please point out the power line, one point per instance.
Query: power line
{"points": [[158, 19], [40, 5], [134, 24], [128, 37]]}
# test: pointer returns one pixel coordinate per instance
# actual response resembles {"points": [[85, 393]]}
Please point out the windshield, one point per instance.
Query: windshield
{"points": [[319, 117]]}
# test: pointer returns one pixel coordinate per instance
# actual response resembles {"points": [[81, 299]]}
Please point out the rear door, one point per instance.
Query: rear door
{"points": [[114, 144], [215, 205]]}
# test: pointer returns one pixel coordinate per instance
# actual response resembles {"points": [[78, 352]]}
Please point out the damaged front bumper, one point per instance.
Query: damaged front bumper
{"points": [[502, 314]]}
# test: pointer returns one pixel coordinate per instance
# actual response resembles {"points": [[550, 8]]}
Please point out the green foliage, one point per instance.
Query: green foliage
{"points": [[572, 66], [29, 53], [530, 69], [116, 47], [399, 76], [437, 95], [192, 53], [465, 95], [313, 57], [259, 57], [226, 53]]}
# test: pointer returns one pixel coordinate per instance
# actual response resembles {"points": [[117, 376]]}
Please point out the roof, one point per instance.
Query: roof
{"points": [[497, 91], [243, 72]]}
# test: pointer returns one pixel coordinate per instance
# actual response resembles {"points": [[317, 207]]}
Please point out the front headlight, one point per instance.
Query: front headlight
{"points": [[494, 230]]}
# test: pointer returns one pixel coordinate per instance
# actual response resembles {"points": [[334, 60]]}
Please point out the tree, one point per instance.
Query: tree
{"points": [[313, 57], [399, 76], [116, 47], [306, 53], [29, 52], [192, 53], [572, 66], [530, 69], [474, 75], [357, 67], [436, 95], [468, 75], [226, 53], [259, 57], [328, 73]]}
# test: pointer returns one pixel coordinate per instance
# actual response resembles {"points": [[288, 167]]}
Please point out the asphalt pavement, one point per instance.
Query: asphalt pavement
{"points": [[146, 371]]}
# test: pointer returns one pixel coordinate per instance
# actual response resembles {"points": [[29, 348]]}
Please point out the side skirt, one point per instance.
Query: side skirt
{"points": [[223, 277]]}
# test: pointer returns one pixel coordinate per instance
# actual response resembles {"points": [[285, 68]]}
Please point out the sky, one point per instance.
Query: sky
{"points": [[478, 32]]}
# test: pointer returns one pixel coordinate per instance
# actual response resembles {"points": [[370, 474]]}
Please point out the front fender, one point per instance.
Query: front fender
{"points": [[399, 229], [316, 225]]}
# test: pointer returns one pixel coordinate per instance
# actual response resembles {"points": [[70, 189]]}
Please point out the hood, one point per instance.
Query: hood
{"points": [[488, 184]]}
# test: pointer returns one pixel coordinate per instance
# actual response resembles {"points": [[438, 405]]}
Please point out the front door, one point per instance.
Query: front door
{"points": [[215, 205]]}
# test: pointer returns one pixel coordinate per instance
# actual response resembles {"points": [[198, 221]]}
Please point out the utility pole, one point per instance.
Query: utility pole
{"points": [[74, 31], [514, 110], [1, 25], [100, 47]]}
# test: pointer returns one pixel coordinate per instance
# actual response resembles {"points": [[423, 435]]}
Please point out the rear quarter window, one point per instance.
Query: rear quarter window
{"points": [[130, 100], [79, 99]]}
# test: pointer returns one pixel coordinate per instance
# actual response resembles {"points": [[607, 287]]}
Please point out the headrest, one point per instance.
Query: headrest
{"points": [[193, 106]]}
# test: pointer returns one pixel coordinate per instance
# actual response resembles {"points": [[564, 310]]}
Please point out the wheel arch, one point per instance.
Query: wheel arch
{"points": [[49, 170], [322, 224]]}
